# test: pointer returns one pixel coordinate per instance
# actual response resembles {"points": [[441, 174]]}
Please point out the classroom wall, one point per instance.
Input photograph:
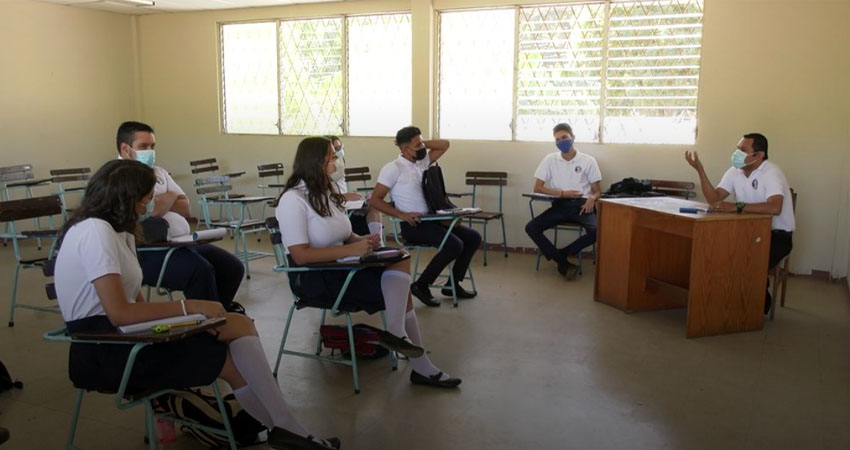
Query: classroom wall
{"points": [[66, 76]]}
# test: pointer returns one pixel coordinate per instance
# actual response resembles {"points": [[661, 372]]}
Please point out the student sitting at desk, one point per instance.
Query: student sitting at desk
{"points": [[403, 178], [573, 179], [203, 271], [98, 285], [315, 229], [363, 224], [760, 187]]}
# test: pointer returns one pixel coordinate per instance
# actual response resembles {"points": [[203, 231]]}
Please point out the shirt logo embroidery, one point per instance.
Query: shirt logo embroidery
{"points": [[756, 183], [578, 169]]}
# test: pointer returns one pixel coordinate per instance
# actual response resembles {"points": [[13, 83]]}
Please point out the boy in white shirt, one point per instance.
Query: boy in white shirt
{"points": [[573, 177], [403, 178], [760, 187], [203, 271]]}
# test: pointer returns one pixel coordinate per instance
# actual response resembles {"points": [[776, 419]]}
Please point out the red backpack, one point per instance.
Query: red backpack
{"points": [[335, 337]]}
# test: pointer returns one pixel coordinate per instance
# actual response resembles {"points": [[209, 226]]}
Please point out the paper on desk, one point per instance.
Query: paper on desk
{"points": [[459, 211], [353, 204], [348, 259], [146, 326], [215, 233]]}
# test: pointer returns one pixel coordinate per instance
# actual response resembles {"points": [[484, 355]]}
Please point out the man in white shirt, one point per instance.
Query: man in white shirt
{"points": [[573, 179], [760, 187], [362, 223], [403, 179], [202, 272]]}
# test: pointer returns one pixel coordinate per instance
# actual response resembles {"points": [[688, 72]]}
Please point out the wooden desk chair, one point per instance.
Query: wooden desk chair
{"points": [[336, 310], [125, 396], [70, 181], [15, 210], [453, 221], [20, 177], [241, 224], [209, 167], [476, 179], [684, 189], [361, 174], [271, 183], [781, 271]]}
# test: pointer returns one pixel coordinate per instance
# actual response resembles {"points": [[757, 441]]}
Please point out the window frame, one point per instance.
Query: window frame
{"points": [[278, 21], [599, 137]]}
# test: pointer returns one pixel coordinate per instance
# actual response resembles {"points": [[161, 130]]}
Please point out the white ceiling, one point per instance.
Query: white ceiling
{"points": [[167, 6]]}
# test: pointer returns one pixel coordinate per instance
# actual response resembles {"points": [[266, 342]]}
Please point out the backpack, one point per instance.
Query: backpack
{"points": [[630, 187], [434, 189], [195, 405], [335, 337], [6, 381]]}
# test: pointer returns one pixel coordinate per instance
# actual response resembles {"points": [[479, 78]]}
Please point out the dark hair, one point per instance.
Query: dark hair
{"points": [[332, 138], [309, 167], [759, 142], [127, 133], [563, 127], [112, 193], [406, 134]]}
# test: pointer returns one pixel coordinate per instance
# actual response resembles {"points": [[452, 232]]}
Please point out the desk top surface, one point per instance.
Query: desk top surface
{"points": [[671, 205]]}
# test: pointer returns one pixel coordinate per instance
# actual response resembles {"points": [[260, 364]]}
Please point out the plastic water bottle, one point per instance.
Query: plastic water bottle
{"points": [[165, 431]]}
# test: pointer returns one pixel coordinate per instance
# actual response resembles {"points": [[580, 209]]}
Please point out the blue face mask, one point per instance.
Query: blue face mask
{"points": [[146, 157], [564, 145], [148, 212], [739, 159]]}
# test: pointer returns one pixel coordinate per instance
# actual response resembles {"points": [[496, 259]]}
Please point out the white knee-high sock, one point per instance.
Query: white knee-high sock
{"points": [[250, 359], [422, 365], [395, 286], [377, 228]]}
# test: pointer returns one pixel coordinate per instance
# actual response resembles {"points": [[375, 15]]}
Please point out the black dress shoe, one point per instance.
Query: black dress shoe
{"points": [[568, 269], [424, 295], [281, 439], [400, 345], [433, 380], [461, 292]]}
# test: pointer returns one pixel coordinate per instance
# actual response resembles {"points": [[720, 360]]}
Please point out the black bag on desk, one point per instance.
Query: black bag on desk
{"points": [[630, 187], [155, 229], [6, 381], [434, 190]]}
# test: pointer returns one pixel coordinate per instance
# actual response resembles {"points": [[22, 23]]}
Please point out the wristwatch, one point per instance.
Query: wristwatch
{"points": [[740, 206]]}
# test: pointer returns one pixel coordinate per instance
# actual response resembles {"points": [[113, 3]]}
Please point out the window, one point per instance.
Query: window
{"points": [[317, 76], [617, 71]]}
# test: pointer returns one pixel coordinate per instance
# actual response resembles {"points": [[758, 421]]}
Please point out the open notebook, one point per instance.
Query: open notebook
{"points": [[146, 326]]}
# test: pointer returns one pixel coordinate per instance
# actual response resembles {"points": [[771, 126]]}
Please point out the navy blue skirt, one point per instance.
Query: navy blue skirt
{"points": [[320, 288], [193, 361]]}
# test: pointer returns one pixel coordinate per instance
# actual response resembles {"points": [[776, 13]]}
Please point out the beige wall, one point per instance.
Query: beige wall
{"points": [[66, 79]]}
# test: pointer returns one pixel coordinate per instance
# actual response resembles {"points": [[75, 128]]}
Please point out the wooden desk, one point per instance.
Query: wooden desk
{"points": [[653, 257]]}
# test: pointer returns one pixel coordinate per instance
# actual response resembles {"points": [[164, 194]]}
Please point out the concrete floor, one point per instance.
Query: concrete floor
{"points": [[543, 367]]}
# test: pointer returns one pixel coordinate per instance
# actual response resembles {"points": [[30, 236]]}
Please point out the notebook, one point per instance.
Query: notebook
{"points": [[146, 326]]}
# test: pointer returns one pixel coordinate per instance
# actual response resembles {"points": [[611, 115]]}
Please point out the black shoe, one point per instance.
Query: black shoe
{"points": [[4, 435], [424, 295], [567, 269], [282, 439], [461, 292], [400, 345], [433, 380]]}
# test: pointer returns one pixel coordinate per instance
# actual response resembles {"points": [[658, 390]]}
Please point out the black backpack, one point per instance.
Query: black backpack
{"points": [[201, 407], [6, 381], [434, 189]]}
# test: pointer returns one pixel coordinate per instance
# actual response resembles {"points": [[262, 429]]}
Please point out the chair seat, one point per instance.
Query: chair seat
{"points": [[246, 225], [483, 215]]}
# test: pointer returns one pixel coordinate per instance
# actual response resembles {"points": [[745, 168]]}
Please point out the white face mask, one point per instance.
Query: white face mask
{"points": [[339, 173]]}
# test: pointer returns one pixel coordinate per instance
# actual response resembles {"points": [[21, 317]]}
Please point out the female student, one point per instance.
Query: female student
{"points": [[98, 285], [315, 229]]}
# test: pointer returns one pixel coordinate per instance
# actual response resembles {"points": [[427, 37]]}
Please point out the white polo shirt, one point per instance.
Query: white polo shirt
{"points": [[90, 250], [765, 182], [404, 178], [577, 174], [177, 224], [301, 224]]}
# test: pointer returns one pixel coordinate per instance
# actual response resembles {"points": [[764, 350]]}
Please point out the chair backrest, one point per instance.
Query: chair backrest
{"points": [[203, 165], [277, 241], [68, 175], [30, 208], [794, 200], [47, 268], [270, 170], [211, 185], [353, 174], [16, 173], [684, 189], [476, 179]]}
